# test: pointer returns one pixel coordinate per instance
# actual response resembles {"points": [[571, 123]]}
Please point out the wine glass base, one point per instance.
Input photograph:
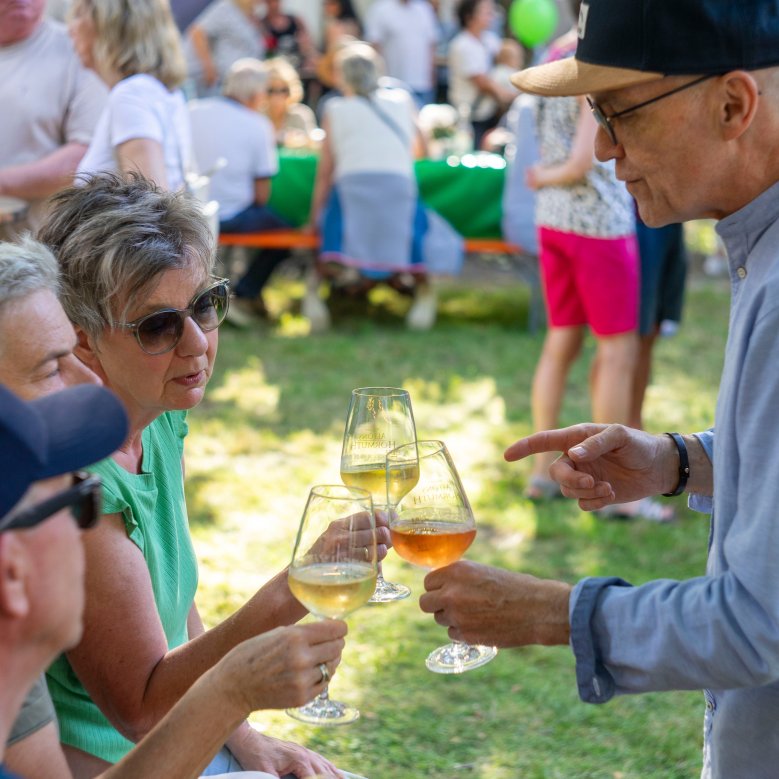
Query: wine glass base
{"points": [[388, 591], [324, 712], [457, 658]]}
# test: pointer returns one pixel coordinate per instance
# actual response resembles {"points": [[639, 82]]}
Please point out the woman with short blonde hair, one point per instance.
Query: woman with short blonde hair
{"points": [[291, 119], [135, 48]]}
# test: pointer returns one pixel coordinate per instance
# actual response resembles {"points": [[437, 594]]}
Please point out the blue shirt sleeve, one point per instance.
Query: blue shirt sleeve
{"points": [[704, 503]]}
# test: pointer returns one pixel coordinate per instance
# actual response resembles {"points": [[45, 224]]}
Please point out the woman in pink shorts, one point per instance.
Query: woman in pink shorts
{"points": [[590, 271]]}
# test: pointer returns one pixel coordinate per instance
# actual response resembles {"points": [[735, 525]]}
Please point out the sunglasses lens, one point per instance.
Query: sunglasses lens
{"points": [[160, 332], [86, 509], [210, 308]]}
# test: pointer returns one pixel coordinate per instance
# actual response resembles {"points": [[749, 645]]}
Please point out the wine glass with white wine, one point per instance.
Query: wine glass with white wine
{"points": [[333, 572], [379, 419], [432, 524]]}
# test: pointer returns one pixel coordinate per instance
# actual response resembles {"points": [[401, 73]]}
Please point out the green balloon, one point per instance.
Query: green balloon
{"points": [[533, 21]]}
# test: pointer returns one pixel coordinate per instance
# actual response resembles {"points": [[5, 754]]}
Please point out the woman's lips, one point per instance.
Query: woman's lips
{"points": [[191, 379]]}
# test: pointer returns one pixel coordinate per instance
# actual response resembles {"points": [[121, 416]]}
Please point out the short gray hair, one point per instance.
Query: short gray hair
{"points": [[245, 79], [360, 67], [113, 236], [26, 267]]}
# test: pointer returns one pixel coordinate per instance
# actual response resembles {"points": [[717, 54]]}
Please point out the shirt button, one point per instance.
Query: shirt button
{"points": [[741, 272]]}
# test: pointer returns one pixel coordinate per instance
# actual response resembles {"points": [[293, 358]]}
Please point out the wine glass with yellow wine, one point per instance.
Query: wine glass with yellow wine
{"points": [[432, 524], [378, 420], [333, 572]]}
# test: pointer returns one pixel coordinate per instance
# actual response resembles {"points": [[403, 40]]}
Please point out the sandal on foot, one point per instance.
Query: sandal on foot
{"points": [[540, 488], [646, 508]]}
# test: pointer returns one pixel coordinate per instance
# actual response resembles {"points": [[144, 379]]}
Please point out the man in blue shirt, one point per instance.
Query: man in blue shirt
{"points": [[686, 95]]}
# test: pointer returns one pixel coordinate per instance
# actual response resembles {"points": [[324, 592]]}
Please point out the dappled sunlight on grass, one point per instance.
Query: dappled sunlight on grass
{"points": [[662, 403], [248, 390]]}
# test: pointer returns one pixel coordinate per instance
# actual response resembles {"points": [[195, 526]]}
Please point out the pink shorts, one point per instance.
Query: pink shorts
{"points": [[590, 281]]}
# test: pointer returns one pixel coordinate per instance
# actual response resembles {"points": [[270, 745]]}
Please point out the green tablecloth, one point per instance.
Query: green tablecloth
{"points": [[466, 192]]}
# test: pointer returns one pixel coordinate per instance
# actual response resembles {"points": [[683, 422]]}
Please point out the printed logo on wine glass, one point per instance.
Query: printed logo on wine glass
{"points": [[434, 493], [373, 440]]}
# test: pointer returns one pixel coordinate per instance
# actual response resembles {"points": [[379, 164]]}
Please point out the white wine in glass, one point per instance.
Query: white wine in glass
{"points": [[432, 524], [379, 419], [333, 572]]}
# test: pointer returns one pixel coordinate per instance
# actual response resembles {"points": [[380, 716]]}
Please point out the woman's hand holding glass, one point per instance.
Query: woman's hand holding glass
{"points": [[432, 524], [333, 572]]}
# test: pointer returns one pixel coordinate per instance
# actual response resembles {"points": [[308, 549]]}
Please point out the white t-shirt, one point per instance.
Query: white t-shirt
{"points": [[142, 107], [222, 127], [406, 32], [471, 56], [47, 99], [362, 141]]}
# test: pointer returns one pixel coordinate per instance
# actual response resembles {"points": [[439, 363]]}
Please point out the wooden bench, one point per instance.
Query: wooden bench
{"points": [[296, 239]]}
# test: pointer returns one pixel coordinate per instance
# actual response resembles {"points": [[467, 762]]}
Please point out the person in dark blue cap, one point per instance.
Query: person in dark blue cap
{"points": [[43, 446], [686, 95]]}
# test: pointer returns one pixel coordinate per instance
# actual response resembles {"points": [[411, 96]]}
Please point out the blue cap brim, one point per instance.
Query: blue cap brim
{"points": [[55, 435]]}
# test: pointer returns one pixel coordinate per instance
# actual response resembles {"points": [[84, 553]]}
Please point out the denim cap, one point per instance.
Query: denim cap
{"points": [[55, 435], [627, 42]]}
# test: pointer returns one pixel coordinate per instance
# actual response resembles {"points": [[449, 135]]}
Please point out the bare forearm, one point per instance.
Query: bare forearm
{"points": [[185, 740], [564, 174], [272, 606], [39, 179]]}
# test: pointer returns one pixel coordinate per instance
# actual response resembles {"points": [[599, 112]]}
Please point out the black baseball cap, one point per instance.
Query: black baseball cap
{"points": [[55, 435], [627, 42]]}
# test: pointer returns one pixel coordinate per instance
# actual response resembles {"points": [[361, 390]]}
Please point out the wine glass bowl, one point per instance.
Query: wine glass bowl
{"points": [[333, 572], [432, 524], [378, 420]]}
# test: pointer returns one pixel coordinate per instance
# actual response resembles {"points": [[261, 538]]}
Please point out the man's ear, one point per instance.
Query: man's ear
{"points": [[14, 565], [86, 352], [739, 100]]}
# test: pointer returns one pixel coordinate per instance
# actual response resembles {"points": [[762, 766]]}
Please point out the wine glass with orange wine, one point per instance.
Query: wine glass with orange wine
{"points": [[379, 419], [432, 524], [333, 572]]}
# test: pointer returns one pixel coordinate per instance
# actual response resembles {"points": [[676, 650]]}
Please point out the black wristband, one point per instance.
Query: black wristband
{"points": [[684, 465]]}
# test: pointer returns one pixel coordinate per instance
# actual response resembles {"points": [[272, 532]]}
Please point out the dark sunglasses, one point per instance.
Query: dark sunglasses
{"points": [[160, 331], [84, 499], [278, 91]]}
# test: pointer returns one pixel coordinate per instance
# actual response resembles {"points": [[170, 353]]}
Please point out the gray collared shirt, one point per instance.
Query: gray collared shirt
{"points": [[718, 632]]}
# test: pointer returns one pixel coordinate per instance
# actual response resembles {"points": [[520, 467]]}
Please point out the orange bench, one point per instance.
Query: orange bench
{"points": [[272, 239], [296, 239]]}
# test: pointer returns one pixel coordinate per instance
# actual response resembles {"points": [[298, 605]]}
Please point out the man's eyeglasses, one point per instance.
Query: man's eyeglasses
{"points": [[84, 499], [605, 121], [160, 331]]}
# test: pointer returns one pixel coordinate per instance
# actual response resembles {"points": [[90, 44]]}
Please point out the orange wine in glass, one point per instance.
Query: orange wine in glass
{"points": [[432, 525]]}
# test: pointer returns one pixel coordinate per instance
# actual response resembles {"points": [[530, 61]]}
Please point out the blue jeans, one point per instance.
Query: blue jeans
{"points": [[254, 219], [224, 762]]}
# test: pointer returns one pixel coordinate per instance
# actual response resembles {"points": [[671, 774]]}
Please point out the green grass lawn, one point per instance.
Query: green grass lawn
{"points": [[271, 426]]}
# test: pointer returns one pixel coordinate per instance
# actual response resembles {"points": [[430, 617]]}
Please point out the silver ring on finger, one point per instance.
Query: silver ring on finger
{"points": [[325, 673]]}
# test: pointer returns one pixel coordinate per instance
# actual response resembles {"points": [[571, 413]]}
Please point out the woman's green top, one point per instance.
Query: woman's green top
{"points": [[155, 516]]}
